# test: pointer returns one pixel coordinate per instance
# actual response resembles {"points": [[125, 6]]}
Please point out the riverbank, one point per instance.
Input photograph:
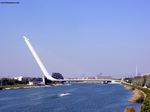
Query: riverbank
{"points": [[140, 95], [10, 87], [146, 104], [23, 86]]}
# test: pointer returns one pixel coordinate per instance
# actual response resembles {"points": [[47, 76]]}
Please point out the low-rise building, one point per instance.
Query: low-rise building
{"points": [[20, 78]]}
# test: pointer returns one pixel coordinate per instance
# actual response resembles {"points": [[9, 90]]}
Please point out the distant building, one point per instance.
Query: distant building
{"points": [[103, 77], [30, 83], [89, 78], [146, 74], [34, 81], [20, 78], [28, 80]]}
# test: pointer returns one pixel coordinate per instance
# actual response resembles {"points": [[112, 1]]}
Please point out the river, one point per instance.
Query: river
{"points": [[68, 98]]}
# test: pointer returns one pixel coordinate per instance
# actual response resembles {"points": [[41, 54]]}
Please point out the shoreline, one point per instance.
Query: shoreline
{"points": [[140, 95], [13, 87], [136, 97], [21, 87]]}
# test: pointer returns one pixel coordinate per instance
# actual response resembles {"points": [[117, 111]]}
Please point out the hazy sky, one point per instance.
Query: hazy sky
{"points": [[75, 37]]}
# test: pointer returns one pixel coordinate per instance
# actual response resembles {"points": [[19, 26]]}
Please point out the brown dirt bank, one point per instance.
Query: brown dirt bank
{"points": [[128, 87], [138, 96]]}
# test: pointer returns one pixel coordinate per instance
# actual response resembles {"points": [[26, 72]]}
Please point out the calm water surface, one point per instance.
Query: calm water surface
{"points": [[82, 98]]}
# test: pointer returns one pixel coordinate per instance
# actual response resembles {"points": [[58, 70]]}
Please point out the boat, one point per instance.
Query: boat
{"points": [[7, 88], [105, 82], [64, 94]]}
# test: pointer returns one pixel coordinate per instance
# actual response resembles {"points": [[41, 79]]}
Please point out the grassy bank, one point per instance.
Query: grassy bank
{"points": [[141, 95], [14, 86], [146, 104]]}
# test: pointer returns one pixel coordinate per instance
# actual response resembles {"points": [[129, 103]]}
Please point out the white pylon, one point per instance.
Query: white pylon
{"points": [[46, 74], [136, 72]]}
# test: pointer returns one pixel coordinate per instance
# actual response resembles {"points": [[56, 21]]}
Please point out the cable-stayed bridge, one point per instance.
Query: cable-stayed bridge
{"points": [[49, 77]]}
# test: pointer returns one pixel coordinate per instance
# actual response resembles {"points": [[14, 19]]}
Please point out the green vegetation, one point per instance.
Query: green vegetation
{"points": [[141, 83], [145, 101], [9, 81], [14, 86], [14, 83], [147, 82], [146, 104]]}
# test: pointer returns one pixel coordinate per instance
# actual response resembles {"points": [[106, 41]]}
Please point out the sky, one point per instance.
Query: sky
{"points": [[76, 38]]}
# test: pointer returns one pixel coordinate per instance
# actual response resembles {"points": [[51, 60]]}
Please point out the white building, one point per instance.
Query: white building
{"points": [[20, 78]]}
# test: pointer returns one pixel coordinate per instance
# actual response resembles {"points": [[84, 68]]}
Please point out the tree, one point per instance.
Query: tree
{"points": [[139, 81], [147, 83], [57, 76]]}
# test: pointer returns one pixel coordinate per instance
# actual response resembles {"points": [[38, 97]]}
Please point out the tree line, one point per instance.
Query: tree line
{"points": [[143, 81], [12, 81]]}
